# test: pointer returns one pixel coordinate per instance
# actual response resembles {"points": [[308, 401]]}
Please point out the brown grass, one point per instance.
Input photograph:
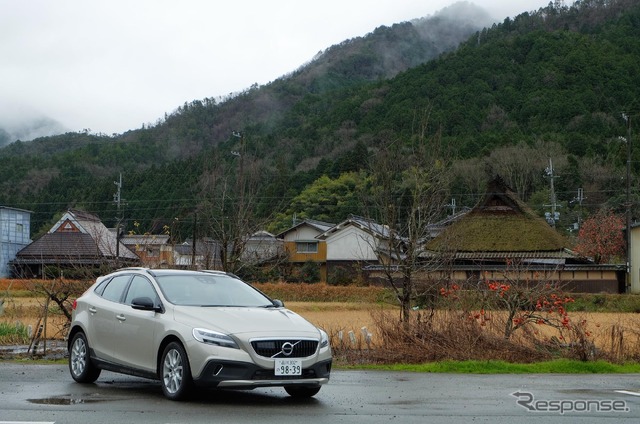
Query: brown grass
{"points": [[30, 311], [451, 335], [372, 333], [322, 292], [369, 332], [11, 286]]}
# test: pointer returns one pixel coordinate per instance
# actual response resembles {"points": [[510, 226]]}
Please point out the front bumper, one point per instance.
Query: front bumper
{"points": [[243, 375]]}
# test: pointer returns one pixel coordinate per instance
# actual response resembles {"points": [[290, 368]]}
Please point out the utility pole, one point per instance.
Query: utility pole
{"points": [[117, 198], [554, 215], [452, 206], [240, 212], [194, 244], [240, 178], [579, 199], [627, 119]]}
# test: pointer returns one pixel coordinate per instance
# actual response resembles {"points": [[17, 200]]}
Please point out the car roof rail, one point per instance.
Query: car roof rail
{"points": [[217, 271], [133, 268], [214, 271]]}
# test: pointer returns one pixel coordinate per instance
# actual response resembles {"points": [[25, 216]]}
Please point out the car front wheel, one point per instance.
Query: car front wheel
{"points": [[301, 391], [80, 365], [175, 372]]}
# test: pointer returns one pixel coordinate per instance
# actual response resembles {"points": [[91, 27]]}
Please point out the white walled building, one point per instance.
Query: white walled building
{"points": [[354, 240]]}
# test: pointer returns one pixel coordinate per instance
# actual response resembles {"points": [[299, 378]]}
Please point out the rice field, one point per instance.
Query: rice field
{"points": [[351, 325]]}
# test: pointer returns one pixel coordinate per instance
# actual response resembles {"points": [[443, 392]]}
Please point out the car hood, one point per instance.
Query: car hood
{"points": [[235, 320]]}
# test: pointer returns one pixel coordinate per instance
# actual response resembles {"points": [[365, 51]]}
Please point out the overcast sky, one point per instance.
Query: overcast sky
{"points": [[111, 66]]}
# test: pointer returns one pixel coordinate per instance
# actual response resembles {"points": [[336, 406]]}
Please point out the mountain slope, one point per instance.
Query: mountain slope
{"points": [[560, 75], [520, 81]]}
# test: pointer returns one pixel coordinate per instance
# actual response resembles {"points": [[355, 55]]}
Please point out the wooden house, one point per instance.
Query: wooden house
{"points": [[78, 243], [154, 250], [301, 245]]}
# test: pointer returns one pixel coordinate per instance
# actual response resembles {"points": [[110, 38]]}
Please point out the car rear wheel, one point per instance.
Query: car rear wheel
{"points": [[80, 365], [175, 372], [301, 391]]}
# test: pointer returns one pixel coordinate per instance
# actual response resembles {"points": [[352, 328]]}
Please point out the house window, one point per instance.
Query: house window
{"points": [[19, 228], [307, 246]]}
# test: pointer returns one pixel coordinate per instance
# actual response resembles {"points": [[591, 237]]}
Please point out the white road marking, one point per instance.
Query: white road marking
{"points": [[627, 392]]}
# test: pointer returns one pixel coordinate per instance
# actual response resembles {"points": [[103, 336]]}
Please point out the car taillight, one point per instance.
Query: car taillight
{"points": [[74, 305]]}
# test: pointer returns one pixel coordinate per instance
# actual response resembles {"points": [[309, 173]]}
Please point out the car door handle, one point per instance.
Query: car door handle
{"points": [[121, 317], [92, 309]]}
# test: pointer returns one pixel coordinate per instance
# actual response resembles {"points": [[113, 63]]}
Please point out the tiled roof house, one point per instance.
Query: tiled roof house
{"points": [[78, 240], [301, 245]]}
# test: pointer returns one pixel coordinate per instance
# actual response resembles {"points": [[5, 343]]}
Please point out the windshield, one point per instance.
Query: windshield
{"points": [[210, 291]]}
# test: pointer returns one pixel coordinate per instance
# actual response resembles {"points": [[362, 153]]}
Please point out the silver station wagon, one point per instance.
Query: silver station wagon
{"points": [[193, 329]]}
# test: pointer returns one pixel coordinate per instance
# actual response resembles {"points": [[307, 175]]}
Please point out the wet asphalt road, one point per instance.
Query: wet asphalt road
{"points": [[46, 393]]}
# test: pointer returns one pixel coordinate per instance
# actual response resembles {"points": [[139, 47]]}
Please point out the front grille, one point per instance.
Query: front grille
{"points": [[273, 348]]}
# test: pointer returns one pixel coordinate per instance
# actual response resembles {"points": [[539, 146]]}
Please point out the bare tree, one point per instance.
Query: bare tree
{"points": [[472, 178], [527, 295], [61, 292], [230, 192], [407, 195], [522, 166]]}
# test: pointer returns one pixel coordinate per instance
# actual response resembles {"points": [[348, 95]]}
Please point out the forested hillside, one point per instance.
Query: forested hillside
{"points": [[550, 84]]}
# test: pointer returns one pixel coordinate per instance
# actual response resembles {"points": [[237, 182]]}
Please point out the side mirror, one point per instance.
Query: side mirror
{"points": [[145, 304], [279, 303]]}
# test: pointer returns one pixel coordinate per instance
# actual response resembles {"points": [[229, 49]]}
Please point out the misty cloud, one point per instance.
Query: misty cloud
{"points": [[114, 66], [24, 123]]}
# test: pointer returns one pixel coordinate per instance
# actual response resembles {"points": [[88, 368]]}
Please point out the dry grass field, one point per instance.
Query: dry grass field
{"points": [[335, 316], [364, 332], [332, 316], [364, 326]]}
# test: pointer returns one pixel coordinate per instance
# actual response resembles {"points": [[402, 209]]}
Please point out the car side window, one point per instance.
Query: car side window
{"points": [[115, 288], [140, 287], [100, 288]]}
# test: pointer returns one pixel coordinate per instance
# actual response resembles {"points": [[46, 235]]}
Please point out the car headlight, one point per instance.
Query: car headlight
{"points": [[214, 338], [324, 338]]}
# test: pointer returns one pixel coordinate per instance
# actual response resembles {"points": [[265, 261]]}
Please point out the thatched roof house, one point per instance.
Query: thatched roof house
{"points": [[502, 223], [502, 232]]}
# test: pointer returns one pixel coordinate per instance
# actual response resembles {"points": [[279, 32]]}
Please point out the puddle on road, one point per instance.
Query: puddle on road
{"points": [[67, 400]]}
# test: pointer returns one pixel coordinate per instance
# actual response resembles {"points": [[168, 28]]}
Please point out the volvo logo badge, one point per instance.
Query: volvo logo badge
{"points": [[287, 348]]}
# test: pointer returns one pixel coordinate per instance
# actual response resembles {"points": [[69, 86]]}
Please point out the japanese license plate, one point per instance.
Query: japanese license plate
{"points": [[288, 367]]}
